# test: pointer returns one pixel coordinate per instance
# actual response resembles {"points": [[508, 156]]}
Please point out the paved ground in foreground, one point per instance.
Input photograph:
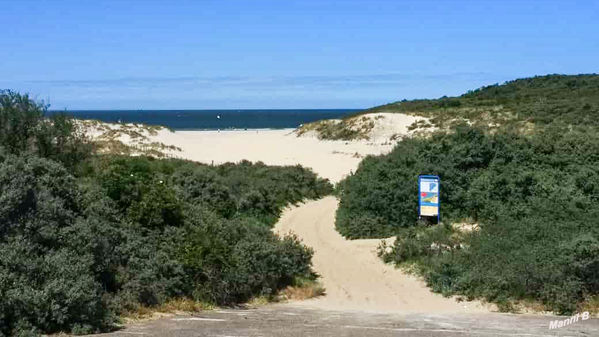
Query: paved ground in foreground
{"points": [[383, 300], [289, 320]]}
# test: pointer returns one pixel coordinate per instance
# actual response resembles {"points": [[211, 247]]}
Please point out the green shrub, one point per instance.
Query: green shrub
{"points": [[534, 197], [231, 261], [565, 100], [45, 283], [86, 237], [26, 128], [382, 196], [130, 231]]}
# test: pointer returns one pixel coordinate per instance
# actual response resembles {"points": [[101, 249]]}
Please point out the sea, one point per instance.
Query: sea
{"points": [[214, 119]]}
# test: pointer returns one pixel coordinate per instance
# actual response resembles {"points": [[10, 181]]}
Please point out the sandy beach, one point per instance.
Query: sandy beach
{"points": [[331, 159]]}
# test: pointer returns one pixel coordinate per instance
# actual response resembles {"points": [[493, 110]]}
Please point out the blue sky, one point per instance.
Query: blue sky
{"points": [[284, 53]]}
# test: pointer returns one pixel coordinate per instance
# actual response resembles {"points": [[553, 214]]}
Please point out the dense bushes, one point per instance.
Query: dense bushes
{"points": [[46, 282], [230, 261], [24, 127], [524, 168], [534, 197], [127, 232], [539, 100], [382, 195], [82, 241]]}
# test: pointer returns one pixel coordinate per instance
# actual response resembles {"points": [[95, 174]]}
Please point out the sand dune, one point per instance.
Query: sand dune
{"points": [[330, 159]]}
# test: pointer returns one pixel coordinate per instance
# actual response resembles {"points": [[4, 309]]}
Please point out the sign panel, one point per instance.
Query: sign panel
{"points": [[428, 195]]}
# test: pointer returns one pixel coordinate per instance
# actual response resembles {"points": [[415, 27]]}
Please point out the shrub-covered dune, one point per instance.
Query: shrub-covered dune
{"points": [[521, 103], [520, 209], [85, 238]]}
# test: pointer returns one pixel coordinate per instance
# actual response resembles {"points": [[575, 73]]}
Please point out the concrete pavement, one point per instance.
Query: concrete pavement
{"points": [[290, 320]]}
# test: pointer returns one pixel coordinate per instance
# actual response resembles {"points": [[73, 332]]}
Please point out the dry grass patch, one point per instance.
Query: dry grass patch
{"points": [[175, 306], [128, 139], [303, 293], [591, 304], [302, 289]]}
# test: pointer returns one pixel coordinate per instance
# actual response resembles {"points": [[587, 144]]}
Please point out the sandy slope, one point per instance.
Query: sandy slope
{"points": [[354, 277], [330, 159], [382, 127]]}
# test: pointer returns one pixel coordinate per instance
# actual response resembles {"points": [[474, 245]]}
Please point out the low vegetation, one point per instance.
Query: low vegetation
{"points": [[531, 199], [85, 238], [344, 129], [127, 139], [520, 104]]}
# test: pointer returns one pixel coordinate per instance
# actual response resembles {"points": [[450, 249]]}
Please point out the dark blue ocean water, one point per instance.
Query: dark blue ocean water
{"points": [[214, 119]]}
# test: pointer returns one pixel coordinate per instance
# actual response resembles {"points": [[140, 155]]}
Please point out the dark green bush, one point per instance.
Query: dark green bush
{"points": [[129, 231], [46, 284], [85, 237], [25, 127], [382, 196], [535, 198], [231, 261], [541, 100]]}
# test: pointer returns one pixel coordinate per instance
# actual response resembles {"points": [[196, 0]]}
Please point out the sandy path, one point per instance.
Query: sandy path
{"points": [[354, 277]]}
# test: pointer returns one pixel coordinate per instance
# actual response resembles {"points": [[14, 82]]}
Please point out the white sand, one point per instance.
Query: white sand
{"points": [[387, 127], [352, 274], [329, 159]]}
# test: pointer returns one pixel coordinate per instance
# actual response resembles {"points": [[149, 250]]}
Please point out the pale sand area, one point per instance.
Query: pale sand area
{"points": [[329, 159], [352, 274]]}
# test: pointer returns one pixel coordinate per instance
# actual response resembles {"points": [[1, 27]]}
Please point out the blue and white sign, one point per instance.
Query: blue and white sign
{"points": [[428, 195]]}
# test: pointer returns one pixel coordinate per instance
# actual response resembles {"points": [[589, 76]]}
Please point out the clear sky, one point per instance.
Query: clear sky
{"points": [[284, 54]]}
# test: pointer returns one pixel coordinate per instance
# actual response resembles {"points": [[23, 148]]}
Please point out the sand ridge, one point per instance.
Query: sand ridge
{"points": [[331, 159]]}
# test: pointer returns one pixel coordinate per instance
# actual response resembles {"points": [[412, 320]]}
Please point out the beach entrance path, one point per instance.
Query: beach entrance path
{"points": [[364, 297], [354, 277]]}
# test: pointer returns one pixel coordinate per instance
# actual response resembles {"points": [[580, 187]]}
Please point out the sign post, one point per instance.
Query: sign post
{"points": [[429, 203]]}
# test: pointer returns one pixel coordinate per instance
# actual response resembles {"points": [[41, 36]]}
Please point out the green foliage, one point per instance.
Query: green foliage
{"points": [[541, 100], [535, 198], [364, 209], [46, 284], [19, 118], [24, 127], [136, 230], [83, 240], [231, 261]]}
